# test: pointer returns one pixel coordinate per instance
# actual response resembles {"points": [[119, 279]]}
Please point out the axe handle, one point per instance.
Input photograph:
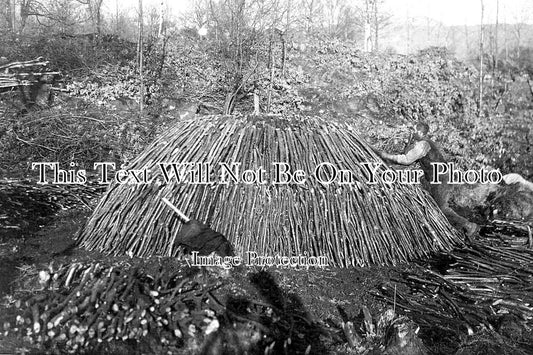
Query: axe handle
{"points": [[182, 216]]}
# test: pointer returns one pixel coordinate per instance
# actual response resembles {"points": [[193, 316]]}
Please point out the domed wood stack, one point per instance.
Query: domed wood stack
{"points": [[351, 224]]}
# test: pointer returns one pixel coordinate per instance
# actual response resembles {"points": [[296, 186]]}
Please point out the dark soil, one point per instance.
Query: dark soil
{"points": [[35, 231]]}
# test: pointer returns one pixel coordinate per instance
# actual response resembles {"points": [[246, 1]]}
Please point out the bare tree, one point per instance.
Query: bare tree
{"points": [[481, 60], [505, 35], [27, 9], [467, 39], [62, 16], [13, 16], [495, 55], [95, 8], [519, 27], [367, 45], [312, 10], [408, 21], [376, 23], [517, 31], [6, 9], [161, 17], [334, 11], [140, 55]]}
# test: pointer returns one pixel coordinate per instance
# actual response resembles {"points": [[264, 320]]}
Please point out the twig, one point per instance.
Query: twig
{"points": [[394, 304], [89, 118], [35, 144]]}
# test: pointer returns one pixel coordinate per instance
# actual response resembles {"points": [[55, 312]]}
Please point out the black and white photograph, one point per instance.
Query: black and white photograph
{"points": [[241, 177]]}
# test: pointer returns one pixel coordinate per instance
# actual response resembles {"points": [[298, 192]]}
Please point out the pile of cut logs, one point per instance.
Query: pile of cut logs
{"points": [[31, 78], [83, 305], [471, 286], [23, 73]]}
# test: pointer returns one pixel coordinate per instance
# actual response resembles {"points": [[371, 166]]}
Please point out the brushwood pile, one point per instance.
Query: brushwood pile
{"points": [[354, 222]]}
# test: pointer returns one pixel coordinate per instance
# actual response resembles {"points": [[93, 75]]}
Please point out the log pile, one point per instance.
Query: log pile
{"points": [[353, 224], [24, 73], [83, 305], [470, 287], [50, 196], [160, 308]]}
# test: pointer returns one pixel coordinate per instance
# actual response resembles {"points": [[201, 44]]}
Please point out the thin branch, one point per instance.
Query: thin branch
{"points": [[34, 144]]}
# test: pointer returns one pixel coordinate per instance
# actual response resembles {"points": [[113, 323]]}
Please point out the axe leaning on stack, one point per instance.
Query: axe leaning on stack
{"points": [[196, 236]]}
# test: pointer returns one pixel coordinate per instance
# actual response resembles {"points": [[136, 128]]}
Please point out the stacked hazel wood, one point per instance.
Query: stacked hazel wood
{"points": [[470, 287], [83, 305], [351, 224], [24, 73]]}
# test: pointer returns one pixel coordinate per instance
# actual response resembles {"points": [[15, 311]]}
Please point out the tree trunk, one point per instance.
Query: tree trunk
{"points": [[95, 13], [99, 17], [368, 28], [428, 36], [24, 14], [467, 41], [14, 16], [309, 22], [496, 38], [9, 15], [283, 40], [408, 30], [270, 49], [518, 36], [376, 24], [161, 18], [283, 54], [481, 61], [140, 54], [256, 104], [505, 40], [271, 81], [117, 27]]}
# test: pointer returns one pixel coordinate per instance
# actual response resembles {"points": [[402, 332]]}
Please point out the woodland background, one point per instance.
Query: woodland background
{"points": [[129, 72]]}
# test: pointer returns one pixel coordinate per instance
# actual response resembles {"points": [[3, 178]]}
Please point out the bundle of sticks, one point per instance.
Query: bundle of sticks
{"points": [[85, 304], [351, 224], [51, 195], [480, 283]]}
